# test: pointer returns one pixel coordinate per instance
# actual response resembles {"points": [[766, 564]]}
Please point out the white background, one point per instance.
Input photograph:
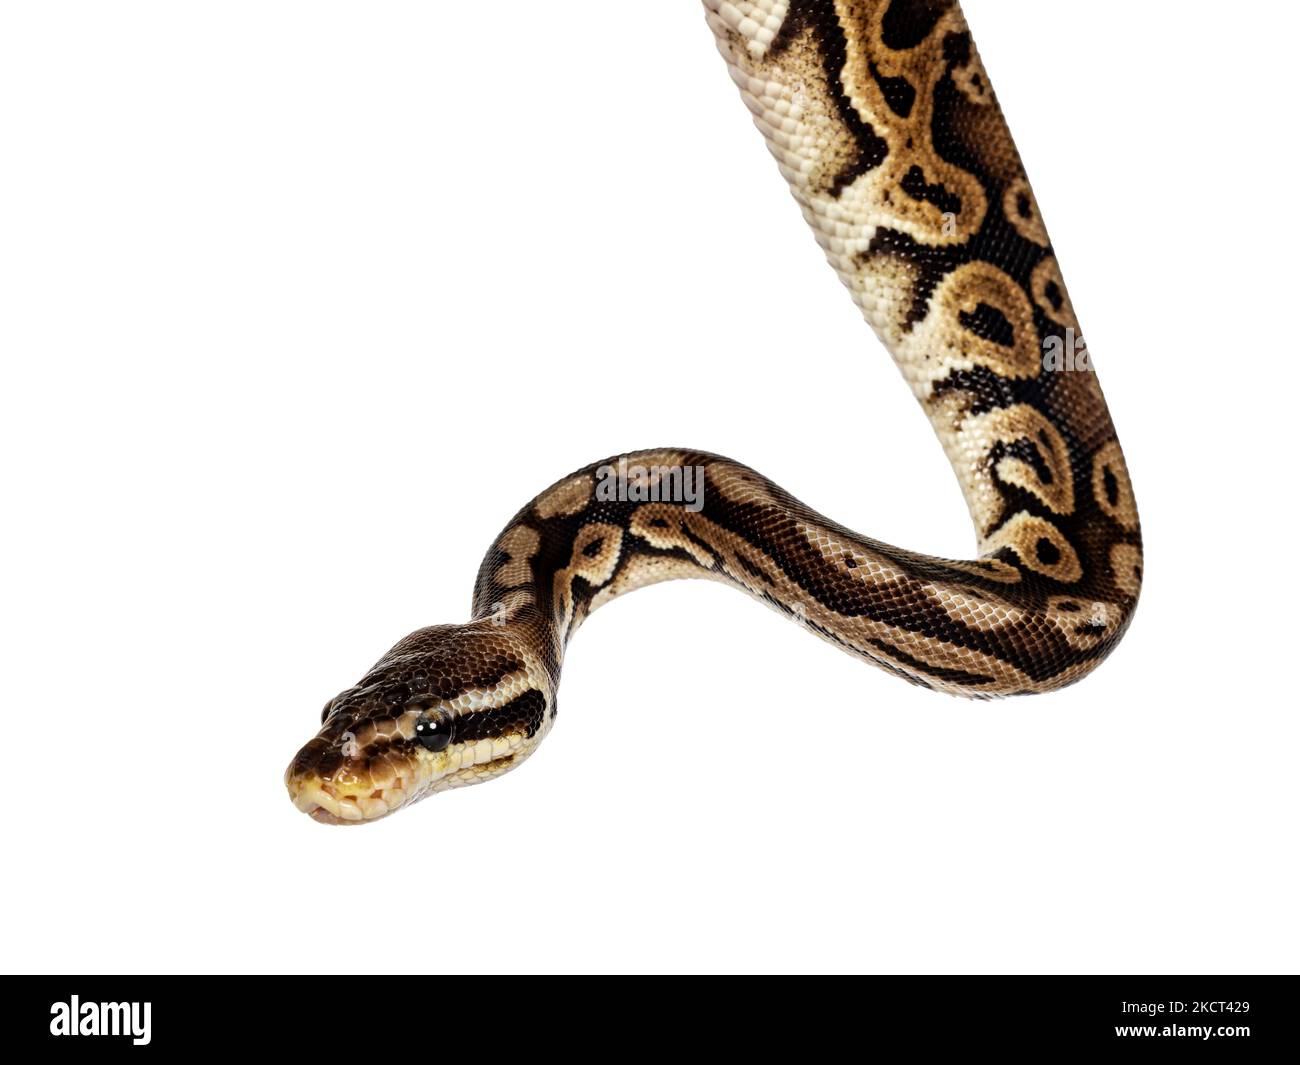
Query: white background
{"points": [[299, 302]]}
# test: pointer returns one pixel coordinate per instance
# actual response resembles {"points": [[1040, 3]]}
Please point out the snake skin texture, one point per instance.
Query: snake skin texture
{"points": [[882, 119]]}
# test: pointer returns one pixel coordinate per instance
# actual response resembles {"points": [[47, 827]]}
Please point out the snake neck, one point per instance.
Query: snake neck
{"points": [[604, 531], [1022, 618]]}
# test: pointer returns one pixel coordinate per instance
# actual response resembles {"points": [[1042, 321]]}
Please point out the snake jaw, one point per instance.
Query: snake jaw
{"points": [[340, 802], [353, 794], [348, 796]]}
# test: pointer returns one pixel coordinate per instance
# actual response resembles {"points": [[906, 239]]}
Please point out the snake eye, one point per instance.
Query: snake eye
{"points": [[434, 732]]}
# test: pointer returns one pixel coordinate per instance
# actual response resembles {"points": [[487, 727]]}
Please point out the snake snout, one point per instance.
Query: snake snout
{"points": [[339, 779], [347, 797]]}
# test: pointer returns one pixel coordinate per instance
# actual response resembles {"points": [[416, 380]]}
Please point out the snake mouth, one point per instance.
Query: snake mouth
{"points": [[322, 801], [324, 817]]}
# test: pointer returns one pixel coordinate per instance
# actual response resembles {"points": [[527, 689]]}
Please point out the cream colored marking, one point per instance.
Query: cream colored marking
{"points": [[973, 80], [1045, 274], [795, 109], [595, 571], [975, 612], [1022, 534], [510, 604], [991, 569], [1125, 567], [1110, 459], [1008, 425], [1031, 228], [670, 534], [565, 499], [866, 568], [520, 545], [640, 571], [940, 345], [878, 194], [737, 484]]}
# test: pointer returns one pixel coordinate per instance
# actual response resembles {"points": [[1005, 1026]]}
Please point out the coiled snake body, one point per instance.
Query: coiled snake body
{"points": [[882, 118]]}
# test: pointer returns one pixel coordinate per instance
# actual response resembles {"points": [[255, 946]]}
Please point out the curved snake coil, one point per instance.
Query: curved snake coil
{"points": [[883, 121]]}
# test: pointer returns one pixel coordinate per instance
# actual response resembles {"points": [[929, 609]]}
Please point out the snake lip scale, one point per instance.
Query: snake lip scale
{"points": [[882, 118]]}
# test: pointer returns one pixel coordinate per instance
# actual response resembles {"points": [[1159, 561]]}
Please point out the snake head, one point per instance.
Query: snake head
{"points": [[448, 706]]}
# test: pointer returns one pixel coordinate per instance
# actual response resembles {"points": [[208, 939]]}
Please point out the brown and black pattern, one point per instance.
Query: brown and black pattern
{"points": [[883, 119]]}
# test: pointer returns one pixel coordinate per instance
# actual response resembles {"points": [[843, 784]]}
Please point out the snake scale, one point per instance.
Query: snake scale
{"points": [[882, 119]]}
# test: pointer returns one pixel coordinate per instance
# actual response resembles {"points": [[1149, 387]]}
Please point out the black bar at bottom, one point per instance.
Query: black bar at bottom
{"points": [[324, 1016]]}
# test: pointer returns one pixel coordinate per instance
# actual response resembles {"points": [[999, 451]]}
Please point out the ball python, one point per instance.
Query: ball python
{"points": [[881, 117]]}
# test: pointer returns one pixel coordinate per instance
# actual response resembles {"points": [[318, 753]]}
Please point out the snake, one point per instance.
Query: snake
{"points": [[881, 116]]}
